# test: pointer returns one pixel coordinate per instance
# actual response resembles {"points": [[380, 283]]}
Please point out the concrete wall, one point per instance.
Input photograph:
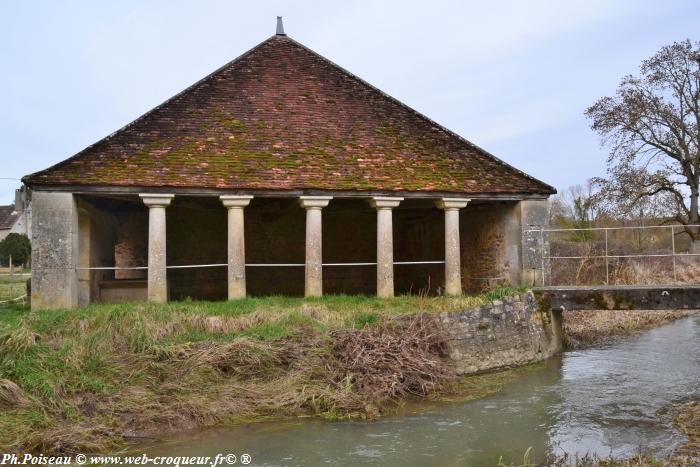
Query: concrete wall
{"points": [[501, 334], [54, 250], [534, 215]]}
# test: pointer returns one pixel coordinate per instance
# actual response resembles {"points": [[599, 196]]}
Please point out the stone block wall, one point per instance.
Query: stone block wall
{"points": [[504, 333], [490, 243], [54, 251]]}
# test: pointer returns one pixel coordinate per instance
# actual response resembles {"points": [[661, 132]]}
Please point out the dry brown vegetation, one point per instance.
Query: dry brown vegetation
{"points": [[586, 328], [11, 396], [75, 381], [584, 262], [392, 361], [687, 420]]}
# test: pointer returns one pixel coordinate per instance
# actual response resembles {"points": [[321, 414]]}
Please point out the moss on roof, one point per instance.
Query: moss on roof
{"points": [[282, 117]]}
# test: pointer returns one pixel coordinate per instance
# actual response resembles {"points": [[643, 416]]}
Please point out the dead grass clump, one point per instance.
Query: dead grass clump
{"points": [[392, 360], [11, 396], [71, 439], [243, 357], [17, 340], [687, 420], [228, 324], [586, 328]]}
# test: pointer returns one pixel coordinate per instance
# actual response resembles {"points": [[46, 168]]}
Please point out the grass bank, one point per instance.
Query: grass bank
{"points": [[12, 286], [93, 379], [588, 328], [687, 419]]}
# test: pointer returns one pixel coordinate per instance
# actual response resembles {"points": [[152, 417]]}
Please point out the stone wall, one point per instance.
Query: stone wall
{"points": [[504, 333], [96, 241], [490, 243], [131, 247]]}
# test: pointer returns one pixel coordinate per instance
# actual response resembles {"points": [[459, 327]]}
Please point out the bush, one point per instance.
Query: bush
{"points": [[15, 246]]}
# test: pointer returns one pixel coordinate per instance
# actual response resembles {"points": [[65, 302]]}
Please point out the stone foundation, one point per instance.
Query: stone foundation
{"points": [[502, 334]]}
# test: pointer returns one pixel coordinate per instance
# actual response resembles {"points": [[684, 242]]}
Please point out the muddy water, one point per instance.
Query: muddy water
{"points": [[602, 401]]}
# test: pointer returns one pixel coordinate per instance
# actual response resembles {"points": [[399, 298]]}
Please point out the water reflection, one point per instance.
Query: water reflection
{"points": [[600, 401]]}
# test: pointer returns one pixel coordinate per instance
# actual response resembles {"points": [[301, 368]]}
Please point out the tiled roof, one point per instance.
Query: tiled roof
{"points": [[282, 117], [8, 217]]}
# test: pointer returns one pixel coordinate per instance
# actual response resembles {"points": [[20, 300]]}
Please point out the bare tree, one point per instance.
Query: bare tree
{"points": [[575, 208], [652, 125], [575, 205]]}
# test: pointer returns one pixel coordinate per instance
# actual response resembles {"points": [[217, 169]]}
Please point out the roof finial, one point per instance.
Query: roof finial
{"points": [[280, 27]]}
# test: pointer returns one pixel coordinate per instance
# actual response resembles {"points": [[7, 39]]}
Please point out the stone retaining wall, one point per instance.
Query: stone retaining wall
{"points": [[504, 333]]}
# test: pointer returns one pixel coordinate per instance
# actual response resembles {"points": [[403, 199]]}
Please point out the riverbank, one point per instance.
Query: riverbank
{"points": [[589, 328], [97, 378], [686, 419], [93, 379]]}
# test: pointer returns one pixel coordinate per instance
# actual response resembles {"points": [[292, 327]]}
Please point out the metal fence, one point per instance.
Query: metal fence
{"points": [[13, 287], [653, 254], [248, 265]]}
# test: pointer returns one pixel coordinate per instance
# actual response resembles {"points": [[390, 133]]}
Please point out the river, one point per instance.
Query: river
{"points": [[603, 400]]}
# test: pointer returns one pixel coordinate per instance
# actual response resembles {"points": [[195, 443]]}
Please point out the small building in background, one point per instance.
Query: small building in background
{"points": [[17, 218]]}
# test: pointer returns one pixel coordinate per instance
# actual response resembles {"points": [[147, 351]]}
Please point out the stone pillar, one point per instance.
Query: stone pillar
{"points": [[236, 244], [54, 251], [385, 244], [313, 272], [453, 268], [157, 272], [534, 217], [556, 318]]}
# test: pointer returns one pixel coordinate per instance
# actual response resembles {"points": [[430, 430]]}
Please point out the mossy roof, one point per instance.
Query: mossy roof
{"points": [[281, 117]]}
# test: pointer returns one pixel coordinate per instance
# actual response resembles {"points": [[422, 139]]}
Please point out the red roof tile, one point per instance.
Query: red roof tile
{"points": [[282, 117]]}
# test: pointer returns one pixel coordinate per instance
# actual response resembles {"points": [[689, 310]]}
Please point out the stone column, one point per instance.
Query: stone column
{"points": [[157, 272], [54, 251], [453, 268], [236, 244], [313, 272], [534, 218], [385, 244]]}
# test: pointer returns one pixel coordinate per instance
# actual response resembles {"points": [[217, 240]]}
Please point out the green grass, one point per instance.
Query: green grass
{"points": [[12, 286], [100, 365]]}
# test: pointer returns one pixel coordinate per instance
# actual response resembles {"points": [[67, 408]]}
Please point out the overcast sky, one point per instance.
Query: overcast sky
{"points": [[514, 77]]}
